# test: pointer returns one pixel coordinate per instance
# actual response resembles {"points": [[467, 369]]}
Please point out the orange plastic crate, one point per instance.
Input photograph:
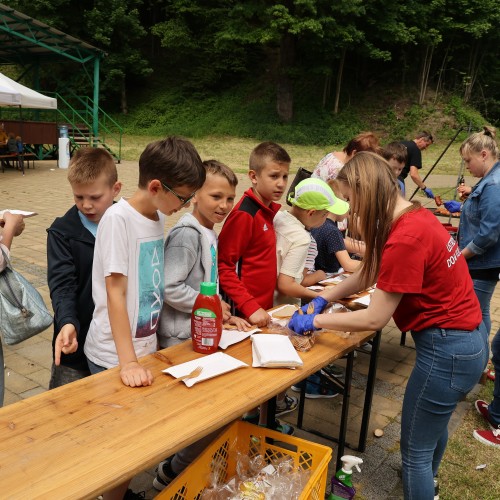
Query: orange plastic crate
{"points": [[254, 440]]}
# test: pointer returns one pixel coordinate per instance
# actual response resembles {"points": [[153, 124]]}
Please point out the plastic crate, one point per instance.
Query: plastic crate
{"points": [[218, 459]]}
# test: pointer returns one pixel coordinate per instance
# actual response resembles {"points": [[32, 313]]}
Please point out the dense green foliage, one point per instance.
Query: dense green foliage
{"points": [[259, 67]]}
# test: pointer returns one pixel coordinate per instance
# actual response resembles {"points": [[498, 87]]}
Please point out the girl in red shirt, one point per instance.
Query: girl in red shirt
{"points": [[423, 282]]}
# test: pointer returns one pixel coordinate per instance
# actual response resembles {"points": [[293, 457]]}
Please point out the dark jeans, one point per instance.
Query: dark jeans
{"points": [[62, 375], [484, 291], [494, 406]]}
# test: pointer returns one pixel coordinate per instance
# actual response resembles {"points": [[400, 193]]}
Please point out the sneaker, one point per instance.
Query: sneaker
{"points": [[490, 438], [482, 409], [333, 370], [132, 495], [366, 347], [289, 404], [282, 427], [316, 390], [491, 374], [164, 475], [436, 489]]}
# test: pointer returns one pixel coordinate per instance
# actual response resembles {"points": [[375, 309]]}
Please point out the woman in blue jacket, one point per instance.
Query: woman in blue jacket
{"points": [[479, 241]]}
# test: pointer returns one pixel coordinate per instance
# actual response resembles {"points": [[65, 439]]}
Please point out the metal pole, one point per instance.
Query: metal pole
{"points": [[437, 161], [95, 109], [460, 172]]}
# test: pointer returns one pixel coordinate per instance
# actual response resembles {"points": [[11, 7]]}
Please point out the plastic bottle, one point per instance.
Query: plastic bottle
{"points": [[342, 481], [206, 319]]}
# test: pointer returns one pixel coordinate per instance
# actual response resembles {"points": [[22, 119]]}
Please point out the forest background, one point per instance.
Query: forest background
{"points": [[298, 71]]}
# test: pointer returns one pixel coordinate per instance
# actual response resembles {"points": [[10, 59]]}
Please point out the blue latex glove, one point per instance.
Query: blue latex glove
{"points": [[301, 323], [453, 206], [428, 192], [319, 303]]}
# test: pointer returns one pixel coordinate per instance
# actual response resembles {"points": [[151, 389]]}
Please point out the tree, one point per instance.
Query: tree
{"points": [[112, 26]]}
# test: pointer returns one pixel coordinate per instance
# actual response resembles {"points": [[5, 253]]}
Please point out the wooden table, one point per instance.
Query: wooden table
{"points": [[83, 438]]}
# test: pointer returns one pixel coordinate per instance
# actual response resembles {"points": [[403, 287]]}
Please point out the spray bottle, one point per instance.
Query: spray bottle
{"points": [[342, 481]]}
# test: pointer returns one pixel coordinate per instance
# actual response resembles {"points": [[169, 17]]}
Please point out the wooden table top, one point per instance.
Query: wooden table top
{"points": [[83, 438]]}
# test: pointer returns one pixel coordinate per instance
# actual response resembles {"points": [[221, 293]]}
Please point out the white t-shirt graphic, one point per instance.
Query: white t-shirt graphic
{"points": [[130, 244]]}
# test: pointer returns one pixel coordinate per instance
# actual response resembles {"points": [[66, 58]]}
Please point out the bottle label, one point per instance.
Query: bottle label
{"points": [[204, 313], [205, 331]]}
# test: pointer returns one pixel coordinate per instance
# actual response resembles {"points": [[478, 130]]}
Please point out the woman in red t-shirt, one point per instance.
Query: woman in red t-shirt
{"points": [[423, 282]]}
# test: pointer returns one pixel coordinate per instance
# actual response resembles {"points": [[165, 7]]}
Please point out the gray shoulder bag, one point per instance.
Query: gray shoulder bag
{"points": [[23, 312]]}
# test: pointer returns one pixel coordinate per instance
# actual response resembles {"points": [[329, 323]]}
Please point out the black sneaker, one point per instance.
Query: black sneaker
{"points": [[288, 405], [333, 371], [164, 475], [132, 495]]}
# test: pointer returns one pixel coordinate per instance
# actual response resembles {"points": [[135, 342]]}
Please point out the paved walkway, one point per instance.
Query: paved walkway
{"points": [[46, 191]]}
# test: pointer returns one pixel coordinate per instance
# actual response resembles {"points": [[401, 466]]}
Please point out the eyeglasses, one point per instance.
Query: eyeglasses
{"points": [[184, 201]]}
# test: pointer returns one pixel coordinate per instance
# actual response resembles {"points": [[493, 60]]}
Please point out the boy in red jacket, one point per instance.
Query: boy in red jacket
{"points": [[247, 242], [247, 248]]}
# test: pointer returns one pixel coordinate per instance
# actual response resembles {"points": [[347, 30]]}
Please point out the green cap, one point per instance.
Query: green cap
{"points": [[316, 194], [208, 288]]}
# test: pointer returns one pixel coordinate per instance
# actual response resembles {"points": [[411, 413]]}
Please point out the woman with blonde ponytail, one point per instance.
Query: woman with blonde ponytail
{"points": [[479, 240]]}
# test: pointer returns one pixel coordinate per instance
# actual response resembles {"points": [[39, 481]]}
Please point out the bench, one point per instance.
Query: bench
{"points": [[18, 160]]}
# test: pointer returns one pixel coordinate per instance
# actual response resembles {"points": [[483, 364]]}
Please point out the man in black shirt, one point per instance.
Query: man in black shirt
{"points": [[414, 160]]}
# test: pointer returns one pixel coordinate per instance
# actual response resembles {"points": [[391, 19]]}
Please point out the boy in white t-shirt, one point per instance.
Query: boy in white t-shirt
{"points": [[127, 275]]}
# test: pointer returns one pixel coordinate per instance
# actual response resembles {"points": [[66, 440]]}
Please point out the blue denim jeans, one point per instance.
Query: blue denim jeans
{"points": [[95, 368], [447, 366], [494, 406], [484, 291]]}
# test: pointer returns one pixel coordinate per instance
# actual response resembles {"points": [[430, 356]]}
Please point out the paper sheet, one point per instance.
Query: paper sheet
{"points": [[213, 365], [24, 213], [230, 337], [274, 351]]}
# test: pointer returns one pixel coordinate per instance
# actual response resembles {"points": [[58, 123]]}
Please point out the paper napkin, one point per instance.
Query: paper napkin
{"points": [[230, 337], [213, 365], [274, 351]]}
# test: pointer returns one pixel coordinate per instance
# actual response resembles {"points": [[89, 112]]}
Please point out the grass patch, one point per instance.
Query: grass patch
{"points": [[235, 152], [458, 477]]}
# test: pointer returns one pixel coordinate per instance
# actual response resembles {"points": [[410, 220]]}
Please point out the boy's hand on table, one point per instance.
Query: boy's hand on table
{"points": [[226, 311], [241, 324], [65, 342], [135, 375], [259, 318]]}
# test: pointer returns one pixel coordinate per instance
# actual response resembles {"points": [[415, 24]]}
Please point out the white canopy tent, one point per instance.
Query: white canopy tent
{"points": [[15, 94]]}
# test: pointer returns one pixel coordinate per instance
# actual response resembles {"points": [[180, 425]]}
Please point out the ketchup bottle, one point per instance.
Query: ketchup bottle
{"points": [[206, 319]]}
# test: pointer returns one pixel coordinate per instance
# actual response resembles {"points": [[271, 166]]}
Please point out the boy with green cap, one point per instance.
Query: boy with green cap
{"points": [[312, 201]]}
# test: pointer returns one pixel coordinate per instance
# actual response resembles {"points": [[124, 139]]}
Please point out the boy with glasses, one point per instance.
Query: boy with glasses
{"points": [[128, 271]]}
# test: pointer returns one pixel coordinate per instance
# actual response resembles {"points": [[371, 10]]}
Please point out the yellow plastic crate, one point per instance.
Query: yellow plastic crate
{"points": [[218, 460]]}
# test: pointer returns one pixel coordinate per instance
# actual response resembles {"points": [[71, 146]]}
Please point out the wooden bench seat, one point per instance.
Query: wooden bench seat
{"points": [[18, 160]]}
